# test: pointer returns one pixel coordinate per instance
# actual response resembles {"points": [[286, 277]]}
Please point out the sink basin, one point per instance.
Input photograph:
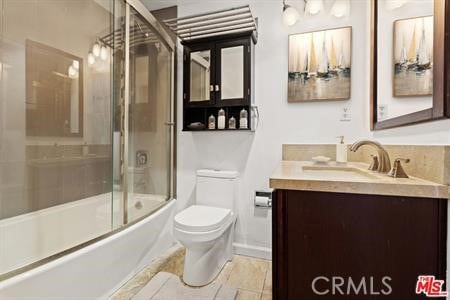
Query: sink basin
{"points": [[337, 173]]}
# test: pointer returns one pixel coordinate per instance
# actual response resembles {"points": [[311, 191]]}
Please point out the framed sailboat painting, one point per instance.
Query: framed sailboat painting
{"points": [[320, 65], [413, 57]]}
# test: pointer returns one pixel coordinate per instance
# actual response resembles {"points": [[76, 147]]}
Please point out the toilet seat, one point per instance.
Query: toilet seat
{"points": [[200, 218]]}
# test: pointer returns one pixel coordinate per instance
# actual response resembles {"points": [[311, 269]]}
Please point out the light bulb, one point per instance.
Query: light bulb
{"points": [[72, 72], [313, 7], [290, 15], [91, 58], [76, 64], [96, 50], [340, 8], [103, 53]]}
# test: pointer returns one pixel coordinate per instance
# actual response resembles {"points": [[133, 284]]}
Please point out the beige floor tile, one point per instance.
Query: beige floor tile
{"points": [[175, 264], [248, 273], [224, 273], [268, 281], [266, 296], [248, 295]]}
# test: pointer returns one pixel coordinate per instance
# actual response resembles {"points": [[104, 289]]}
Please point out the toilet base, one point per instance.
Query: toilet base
{"points": [[204, 262]]}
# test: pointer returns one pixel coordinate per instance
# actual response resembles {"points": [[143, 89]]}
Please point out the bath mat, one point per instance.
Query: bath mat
{"points": [[167, 286]]}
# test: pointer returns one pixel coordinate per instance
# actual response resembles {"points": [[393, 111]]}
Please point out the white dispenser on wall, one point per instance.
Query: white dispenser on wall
{"points": [[341, 150]]}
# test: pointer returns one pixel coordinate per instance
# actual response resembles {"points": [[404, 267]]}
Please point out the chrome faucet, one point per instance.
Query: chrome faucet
{"points": [[384, 163]]}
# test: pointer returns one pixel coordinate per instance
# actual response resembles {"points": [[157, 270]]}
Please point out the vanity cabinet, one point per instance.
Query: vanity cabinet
{"points": [[337, 236], [217, 74]]}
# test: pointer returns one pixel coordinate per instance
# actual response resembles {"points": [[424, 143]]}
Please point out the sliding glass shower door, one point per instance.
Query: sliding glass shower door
{"points": [[145, 129], [86, 132], [149, 128]]}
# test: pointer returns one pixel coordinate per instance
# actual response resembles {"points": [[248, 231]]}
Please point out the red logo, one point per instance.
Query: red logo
{"points": [[430, 286]]}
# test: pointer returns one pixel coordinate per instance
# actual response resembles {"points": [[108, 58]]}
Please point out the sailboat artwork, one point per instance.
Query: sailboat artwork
{"points": [[319, 65], [413, 57]]}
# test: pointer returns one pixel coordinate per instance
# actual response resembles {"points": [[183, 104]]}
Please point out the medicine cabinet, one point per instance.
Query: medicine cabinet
{"points": [[218, 74]]}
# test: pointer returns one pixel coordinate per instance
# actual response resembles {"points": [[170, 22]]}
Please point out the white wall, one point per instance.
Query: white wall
{"points": [[255, 155]]}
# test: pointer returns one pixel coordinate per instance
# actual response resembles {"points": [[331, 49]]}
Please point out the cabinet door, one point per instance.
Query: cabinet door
{"points": [[320, 236], [233, 72], [199, 75]]}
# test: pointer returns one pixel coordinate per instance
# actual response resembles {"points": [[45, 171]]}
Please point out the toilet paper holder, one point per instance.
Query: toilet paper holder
{"points": [[263, 199]]}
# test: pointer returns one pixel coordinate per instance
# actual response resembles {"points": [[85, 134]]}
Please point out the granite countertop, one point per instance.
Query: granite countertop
{"points": [[352, 177]]}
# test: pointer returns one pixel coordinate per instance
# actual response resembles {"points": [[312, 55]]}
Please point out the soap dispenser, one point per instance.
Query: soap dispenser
{"points": [[221, 119], [341, 150]]}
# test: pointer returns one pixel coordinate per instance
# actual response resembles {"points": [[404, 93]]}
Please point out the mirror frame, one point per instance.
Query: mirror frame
{"points": [[441, 87], [31, 45]]}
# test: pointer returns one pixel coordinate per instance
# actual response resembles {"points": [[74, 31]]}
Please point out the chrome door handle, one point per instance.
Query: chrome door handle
{"points": [[217, 88]]}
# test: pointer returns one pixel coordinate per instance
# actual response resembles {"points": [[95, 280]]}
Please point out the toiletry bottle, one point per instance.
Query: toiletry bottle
{"points": [[211, 122], [232, 123], [221, 119], [243, 119], [341, 150]]}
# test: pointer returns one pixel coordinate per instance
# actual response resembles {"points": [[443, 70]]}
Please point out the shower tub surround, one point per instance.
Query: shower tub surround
{"points": [[19, 234], [92, 272]]}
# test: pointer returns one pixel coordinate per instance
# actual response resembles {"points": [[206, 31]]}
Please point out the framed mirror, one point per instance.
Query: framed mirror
{"points": [[408, 63], [232, 72], [54, 92], [200, 76]]}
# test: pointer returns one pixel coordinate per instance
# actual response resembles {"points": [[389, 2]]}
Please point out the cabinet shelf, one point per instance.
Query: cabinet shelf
{"points": [[218, 74]]}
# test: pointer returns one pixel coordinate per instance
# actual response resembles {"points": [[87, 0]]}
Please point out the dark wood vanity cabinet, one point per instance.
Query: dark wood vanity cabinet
{"points": [[335, 236], [217, 74]]}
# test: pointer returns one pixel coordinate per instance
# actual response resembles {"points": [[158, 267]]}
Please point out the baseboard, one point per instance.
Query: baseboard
{"points": [[253, 251]]}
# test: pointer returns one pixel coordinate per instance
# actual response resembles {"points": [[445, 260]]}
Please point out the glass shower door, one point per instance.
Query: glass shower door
{"points": [[149, 131], [55, 127], [143, 134]]}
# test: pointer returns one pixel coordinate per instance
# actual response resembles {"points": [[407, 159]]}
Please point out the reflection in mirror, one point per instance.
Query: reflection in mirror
{"points": [[200, 76], [405, 58], [232, 73], [54, 94]]}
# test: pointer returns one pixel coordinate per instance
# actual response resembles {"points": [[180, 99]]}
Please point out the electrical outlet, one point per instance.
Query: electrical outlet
{"points": [[382, 111], [346, 114]]}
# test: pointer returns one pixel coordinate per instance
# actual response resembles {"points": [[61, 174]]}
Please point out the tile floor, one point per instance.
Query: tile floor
{"points": [[252, 277]]}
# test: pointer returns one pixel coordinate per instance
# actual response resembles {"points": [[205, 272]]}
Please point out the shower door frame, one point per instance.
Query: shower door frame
{"points": [[171, 45]]}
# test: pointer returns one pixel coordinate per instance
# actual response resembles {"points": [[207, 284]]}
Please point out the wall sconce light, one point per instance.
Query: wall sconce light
{"points": [[76, 64], [103, 53], [394, 4], [313, 7], [96, 49], [340, 8], [290, 14], [72, 72], [91, 59]]}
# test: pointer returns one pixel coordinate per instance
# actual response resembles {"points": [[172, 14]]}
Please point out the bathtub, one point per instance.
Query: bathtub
{"points": [[92, 272]]}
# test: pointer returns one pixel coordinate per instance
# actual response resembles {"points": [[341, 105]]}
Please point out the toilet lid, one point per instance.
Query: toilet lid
{"points": [[197, 218]]}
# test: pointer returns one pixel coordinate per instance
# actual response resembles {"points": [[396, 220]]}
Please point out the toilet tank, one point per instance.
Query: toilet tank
{"points": [[216, 188]]}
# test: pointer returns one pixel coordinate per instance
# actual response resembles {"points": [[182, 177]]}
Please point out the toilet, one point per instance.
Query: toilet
{"points": [[206, 228]]}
